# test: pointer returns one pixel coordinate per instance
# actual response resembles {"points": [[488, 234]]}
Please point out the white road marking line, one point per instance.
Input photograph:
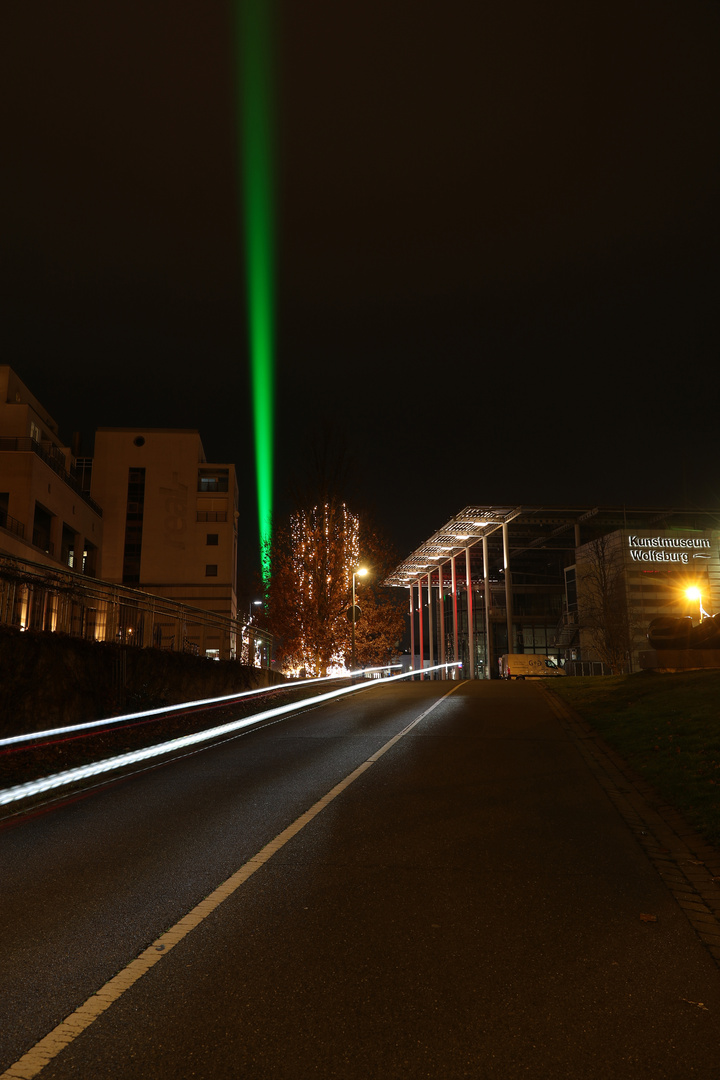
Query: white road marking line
{"points": [[35, 1060]]}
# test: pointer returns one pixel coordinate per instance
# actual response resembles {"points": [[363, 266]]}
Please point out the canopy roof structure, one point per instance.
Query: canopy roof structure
{"points": [[539, 527]]}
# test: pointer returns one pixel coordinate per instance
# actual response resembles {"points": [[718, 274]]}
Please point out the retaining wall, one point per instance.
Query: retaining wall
{"points": [[49, 679]]}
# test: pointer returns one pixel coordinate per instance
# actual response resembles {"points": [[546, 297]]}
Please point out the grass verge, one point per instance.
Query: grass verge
{"points": [[667, 728]]}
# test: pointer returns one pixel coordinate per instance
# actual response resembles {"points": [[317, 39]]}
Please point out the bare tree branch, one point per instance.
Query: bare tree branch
{"points": [[605, 616]]}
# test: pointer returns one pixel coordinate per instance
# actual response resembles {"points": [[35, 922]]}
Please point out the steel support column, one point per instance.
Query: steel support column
{"points": [[489, 650], [412, 626], [422, 638], [431, 635], [468, 589], [441, 622], [508, 586], [453, 578]]}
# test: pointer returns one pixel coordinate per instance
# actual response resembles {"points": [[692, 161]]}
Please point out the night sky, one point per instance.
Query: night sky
{"points": [[497, 241]]}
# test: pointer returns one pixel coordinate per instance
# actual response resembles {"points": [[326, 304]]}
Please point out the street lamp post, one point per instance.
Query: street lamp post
{"points": [[356, 573], [253, 604]]}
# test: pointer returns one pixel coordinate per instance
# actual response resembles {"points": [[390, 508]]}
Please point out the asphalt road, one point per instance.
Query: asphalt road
{"points": [[469, 906]]}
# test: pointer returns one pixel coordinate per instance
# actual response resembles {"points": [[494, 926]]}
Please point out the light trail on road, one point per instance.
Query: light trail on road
{"points": [[14, 740], [39, 1056], [84, 772]]}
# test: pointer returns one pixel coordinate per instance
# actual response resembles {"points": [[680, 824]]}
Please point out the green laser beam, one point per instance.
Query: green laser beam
{"points": [[253, 23]]}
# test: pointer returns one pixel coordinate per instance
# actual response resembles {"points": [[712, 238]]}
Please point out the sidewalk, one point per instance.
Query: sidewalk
{"points": [[689, 866]]}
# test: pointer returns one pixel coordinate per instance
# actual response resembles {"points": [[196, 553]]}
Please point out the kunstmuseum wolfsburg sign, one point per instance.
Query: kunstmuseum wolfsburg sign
{"points": [[668, 549]]}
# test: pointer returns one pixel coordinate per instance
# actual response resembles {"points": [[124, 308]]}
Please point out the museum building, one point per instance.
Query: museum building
{"points": [[558, 581]]}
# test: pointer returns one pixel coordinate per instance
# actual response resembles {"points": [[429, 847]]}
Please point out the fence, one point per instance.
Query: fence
{"points": [[586, 667], [37, 597]]}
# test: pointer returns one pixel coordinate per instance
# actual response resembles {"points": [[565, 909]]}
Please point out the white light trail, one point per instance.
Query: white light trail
{"points": [[84, 772], [34, 736]]}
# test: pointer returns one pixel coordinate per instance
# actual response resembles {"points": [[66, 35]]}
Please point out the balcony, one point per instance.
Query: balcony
{"points": [[217, 484], [54, 460], [12, 524]]}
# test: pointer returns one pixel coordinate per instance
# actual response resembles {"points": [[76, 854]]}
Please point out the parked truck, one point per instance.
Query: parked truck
{"points": [[528, 666]]}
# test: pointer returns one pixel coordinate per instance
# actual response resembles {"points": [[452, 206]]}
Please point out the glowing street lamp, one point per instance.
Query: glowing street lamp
{"points": [[361, 572], [247, 633], [693, 593]]}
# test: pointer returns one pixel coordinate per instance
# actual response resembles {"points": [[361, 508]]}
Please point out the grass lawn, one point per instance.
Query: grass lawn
{"points": [[667, 728]]}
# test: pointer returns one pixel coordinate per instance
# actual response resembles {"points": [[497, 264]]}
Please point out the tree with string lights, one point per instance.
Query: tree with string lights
{"points": [[309, 596], [313, 558]]}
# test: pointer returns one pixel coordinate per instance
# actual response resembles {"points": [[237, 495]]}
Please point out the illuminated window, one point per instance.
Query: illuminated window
{"points": [[213, 479], [69, 556]]}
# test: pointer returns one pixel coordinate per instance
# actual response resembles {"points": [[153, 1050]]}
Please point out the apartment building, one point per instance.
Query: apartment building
{"points": [[47, 515], [169, 519], [147, 512]]}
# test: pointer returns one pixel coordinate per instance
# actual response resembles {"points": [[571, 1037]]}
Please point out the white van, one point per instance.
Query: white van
{"points": [[528, 666]]}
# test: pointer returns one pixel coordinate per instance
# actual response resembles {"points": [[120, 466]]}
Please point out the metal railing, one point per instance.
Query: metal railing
{"points": [[55, 460], [586, 667], [213, 485], [37, 597], [12, 524]]}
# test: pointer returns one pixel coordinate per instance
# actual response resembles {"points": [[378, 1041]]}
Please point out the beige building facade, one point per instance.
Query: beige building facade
{"points": [[147, 512], [648, 574], [46, 515], [170, 519]]}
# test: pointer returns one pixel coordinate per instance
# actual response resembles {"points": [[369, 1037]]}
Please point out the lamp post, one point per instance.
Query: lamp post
{"points": [[253, 604], [361, 572]]}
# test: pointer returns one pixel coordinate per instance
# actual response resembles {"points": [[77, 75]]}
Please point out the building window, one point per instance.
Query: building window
{"points": [[571, 588], [133, 526], [211, 515], [89, 566], [212, 539], [68, 554], [82, 470], [41, 529], [211, 570], [213, 479]]}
